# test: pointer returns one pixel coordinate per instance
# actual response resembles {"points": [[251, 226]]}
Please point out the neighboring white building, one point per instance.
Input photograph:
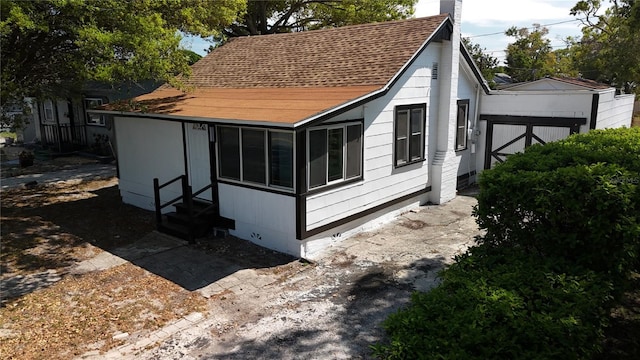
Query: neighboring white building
{"points": [[302, 139], [546, 110]]}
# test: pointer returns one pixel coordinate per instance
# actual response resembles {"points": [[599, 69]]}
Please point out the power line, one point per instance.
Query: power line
{"points": [[545, 25], [505, 50]]}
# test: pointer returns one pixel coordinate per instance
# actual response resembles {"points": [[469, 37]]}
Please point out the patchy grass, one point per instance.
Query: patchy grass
{"points": [[83, 313], [52, 227], [40, 165]]}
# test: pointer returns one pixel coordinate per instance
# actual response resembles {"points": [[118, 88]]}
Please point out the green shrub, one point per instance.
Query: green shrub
{"points": [[562, 228], [576, 199], [506, 306]]}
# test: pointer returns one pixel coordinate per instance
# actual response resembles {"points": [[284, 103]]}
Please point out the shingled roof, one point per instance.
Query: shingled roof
{"points": [[321, 69]]}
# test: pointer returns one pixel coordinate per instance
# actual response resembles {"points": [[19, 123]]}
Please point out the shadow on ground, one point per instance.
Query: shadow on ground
{"points": [[45, 232], [373, 294]]}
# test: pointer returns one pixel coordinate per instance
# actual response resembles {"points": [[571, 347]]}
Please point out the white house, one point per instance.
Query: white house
{"points": [[299, 140]]}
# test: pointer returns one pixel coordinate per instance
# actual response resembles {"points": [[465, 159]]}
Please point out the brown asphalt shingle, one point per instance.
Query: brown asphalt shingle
{"points": [[358, 55], [287, 78], [591, 84]]}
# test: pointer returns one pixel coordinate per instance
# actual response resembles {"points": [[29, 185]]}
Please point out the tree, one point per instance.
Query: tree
{"points": [[530, 56], [564, 64], [50, 48], [485, 62], [282, 16], [610, 46]]}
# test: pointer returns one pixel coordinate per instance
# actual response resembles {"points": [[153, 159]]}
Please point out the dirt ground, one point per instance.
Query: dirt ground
{"points": [[329, 309]]}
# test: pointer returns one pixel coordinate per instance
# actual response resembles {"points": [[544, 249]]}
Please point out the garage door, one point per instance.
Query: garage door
{"points": [[508, 135]]}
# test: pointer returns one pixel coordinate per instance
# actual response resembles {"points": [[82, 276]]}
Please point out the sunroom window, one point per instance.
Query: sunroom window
{"points": [[256, 156], [335, 154]]}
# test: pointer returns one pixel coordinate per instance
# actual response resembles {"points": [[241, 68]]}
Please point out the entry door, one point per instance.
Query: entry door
{"points": [[508, 135], [198, 157]]}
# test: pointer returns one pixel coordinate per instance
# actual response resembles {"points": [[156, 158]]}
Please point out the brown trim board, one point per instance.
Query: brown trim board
{"points": [[301, 221], [185, 156], [595, 102]]}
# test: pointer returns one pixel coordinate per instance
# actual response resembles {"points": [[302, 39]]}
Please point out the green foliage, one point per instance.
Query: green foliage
{"points": [[529, 57], [57, 45], [501, 306], [610, 46], [562, 235], [282, 16], [485, 61], [192, 57], [576, 199]]}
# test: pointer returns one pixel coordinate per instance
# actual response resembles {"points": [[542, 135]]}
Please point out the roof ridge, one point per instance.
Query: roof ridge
{"points": [[352, 26], [355, 55]]}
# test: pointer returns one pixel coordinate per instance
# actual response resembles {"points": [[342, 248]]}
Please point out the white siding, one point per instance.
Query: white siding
{"points": [[382, 182], [467, 89], [549, 133], [264, 218], [147, 149], [559, 104], [502, 134], [614, 111]]}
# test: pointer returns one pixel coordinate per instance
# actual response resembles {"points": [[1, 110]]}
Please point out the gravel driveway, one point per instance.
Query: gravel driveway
{"points": [[330, 309]]}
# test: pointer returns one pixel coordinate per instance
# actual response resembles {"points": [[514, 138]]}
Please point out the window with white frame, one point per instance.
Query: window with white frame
{"points": [[48, 111], [94, 119], [462, 125], [334, 153], [256, 156], [409, 126]]}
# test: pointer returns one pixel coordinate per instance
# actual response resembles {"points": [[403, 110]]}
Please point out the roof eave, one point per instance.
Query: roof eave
{"points": [[474, 68], [180, 118]]}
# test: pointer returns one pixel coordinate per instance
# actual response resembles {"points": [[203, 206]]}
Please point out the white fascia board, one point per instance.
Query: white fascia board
{"points": [[473, 67], [194, 119]]}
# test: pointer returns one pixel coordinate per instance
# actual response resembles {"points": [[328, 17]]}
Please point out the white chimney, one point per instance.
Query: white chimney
{"points": [[445, 162], [452, 7]]}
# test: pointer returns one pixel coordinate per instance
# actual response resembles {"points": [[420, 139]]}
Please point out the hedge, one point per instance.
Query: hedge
{"points": [[577, 199], [562, 228], [503, 307]]}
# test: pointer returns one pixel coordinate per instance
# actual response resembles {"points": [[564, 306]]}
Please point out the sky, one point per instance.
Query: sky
{"points": [[482, 17]]}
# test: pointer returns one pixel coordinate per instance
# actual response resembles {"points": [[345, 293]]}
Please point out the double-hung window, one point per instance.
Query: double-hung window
{"points": [[462, 125], [94, 119], [48, 110], [334, 153], [409, 131], [256, 156]]}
